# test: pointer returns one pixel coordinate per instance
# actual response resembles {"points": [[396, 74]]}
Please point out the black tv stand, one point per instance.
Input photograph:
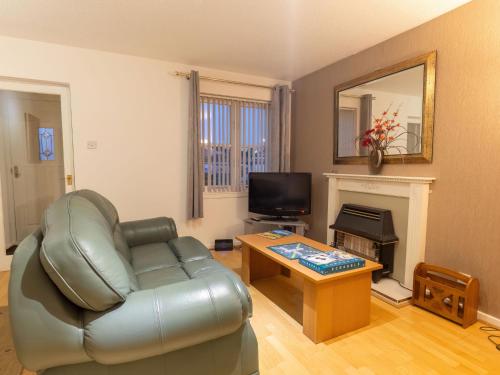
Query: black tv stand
{"points": [[264, 224], [279, 218]]}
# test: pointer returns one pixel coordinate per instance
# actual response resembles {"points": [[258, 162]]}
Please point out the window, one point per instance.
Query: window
{"points": [[234, 137], [46, 143]]}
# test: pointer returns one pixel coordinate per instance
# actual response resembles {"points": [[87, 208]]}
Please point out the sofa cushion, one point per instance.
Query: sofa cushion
{"points": [[161, 276], [188, 248], [203, 267], [105, 207], [152, 256], [108, 210], [121, 244], [79, 255]]}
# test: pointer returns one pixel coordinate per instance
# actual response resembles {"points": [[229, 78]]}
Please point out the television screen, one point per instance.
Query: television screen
{"points": [[279, 194]]}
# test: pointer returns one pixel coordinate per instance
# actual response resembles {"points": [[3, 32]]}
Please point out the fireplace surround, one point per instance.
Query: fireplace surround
{"points": [[414, 190]]}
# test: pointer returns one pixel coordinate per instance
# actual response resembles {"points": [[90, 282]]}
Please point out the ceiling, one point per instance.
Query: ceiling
{"points": [[283, 39], [407, 82]]}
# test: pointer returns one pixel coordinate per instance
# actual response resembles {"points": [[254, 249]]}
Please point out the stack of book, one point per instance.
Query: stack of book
{"points": [[331, 261], [294, 250], [275, 234]]}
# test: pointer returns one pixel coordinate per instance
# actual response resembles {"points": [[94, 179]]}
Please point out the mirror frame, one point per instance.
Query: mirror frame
{"points": [[428, 60]]}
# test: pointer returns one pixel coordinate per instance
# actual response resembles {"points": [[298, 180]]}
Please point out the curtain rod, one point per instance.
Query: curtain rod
{"points": [[188, 75], [235, 98]]}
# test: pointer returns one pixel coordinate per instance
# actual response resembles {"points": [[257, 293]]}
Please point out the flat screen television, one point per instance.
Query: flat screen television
{"points": [[279, 194]]}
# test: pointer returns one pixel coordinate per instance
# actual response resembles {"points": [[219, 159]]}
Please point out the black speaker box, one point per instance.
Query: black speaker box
{"points": [[224, 245]]}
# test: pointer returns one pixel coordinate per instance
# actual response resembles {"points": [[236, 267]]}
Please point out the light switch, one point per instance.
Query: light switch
{"points": [[91, 145]]}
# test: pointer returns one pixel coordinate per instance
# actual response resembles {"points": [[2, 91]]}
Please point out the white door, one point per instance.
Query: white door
{"points": [[31, 191], [36, 162]]}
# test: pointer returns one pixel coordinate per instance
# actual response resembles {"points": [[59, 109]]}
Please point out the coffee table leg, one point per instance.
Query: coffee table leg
{"points": [[255, 266], [245, 264], [336, 307]]}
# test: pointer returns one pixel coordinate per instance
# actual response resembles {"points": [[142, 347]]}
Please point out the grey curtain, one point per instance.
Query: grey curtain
{"points": [[280, 129], [365, 118], [195, 155]]}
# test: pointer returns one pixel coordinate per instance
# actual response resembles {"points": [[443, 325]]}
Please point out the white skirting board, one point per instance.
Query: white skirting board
{"points": [[389, 290], [5, 261], [488, 319]]}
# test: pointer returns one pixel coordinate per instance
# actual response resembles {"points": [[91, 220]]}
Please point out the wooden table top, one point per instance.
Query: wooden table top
{"points": [[260, 244]]}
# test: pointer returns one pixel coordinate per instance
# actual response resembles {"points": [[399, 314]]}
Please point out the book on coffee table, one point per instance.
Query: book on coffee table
{"points": [[331, 261], [294, 250], [275, 234]]}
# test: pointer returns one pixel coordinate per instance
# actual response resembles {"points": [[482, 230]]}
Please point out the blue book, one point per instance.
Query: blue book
{"points": [[294, 250], [331, 261], [282, 232]]}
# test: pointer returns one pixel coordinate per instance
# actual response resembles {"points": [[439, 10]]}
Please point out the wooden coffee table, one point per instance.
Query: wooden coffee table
{"points": [[333, 304]]}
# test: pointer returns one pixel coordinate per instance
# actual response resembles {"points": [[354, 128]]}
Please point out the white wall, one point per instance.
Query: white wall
{"points": [[137, 111]]}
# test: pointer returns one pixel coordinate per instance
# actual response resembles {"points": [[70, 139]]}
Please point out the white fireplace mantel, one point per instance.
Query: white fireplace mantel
{"points": [[416, 189]]}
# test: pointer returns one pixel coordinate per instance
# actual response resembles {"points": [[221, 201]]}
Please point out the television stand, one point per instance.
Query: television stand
{"points": [[277, 218], [264, 224]]}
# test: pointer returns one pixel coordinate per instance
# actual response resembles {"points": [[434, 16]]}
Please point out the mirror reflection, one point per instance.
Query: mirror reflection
{"points": [[387, 111]]}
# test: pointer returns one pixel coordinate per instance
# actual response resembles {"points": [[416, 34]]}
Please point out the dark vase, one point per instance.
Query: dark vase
{"points": [[376, 161]]}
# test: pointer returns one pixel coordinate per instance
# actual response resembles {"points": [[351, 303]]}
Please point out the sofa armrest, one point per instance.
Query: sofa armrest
{"points": [[157, 321], [143, 232]]}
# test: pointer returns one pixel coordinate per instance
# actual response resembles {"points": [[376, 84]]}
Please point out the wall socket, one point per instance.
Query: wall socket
{"points": [[91, 145]]}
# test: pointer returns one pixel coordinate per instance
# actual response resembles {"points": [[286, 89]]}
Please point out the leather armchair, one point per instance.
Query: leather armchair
{"points": [[91, 295]]}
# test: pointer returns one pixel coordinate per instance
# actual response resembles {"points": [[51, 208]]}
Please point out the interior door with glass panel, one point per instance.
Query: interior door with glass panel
{"points": [[35, 163]]}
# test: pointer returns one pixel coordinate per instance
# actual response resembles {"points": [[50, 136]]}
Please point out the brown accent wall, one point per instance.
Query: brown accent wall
{"points": [[464, 213]]}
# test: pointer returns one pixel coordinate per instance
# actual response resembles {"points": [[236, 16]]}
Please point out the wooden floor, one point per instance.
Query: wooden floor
{"points": [[398, 341]]}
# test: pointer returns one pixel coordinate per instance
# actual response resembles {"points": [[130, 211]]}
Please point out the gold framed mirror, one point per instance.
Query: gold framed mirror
{"points": [[395, 106]]}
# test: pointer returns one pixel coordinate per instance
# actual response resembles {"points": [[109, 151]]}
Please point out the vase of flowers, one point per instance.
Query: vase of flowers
{"points": [[381, 138], [375, 161]]}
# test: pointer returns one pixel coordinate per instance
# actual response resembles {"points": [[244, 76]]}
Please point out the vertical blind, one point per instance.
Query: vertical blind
{"points": [[234, 139]]}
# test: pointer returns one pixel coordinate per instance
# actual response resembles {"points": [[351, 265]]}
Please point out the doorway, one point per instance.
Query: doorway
{"points": [[33, 160]]}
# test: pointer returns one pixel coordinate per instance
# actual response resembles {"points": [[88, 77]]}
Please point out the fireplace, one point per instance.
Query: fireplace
{"points": [[367, 232], [407, 199]]}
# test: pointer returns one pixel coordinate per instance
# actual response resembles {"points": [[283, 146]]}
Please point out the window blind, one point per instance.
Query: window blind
{"points": [[234, 139]]}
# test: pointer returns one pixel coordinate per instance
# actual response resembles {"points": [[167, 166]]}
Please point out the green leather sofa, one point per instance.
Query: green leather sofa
{"points": [[90, 295]]}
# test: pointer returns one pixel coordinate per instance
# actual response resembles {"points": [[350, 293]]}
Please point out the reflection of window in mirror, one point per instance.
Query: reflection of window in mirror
{"points": [[348, 130], [413, 143]]}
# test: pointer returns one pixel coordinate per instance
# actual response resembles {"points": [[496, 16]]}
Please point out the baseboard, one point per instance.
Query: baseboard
{"points": [[5, 261], [488, 319]]}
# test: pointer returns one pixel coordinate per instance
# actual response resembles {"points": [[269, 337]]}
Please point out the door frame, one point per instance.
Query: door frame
{"points": [[42, 87]]}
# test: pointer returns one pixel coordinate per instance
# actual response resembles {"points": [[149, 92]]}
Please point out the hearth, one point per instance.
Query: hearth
{"points": [[367, 232]]}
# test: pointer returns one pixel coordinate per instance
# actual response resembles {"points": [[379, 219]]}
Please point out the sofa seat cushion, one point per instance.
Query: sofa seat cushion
{"points": [[152, 256], [203, 267], [188, 248], [161, 276]]}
